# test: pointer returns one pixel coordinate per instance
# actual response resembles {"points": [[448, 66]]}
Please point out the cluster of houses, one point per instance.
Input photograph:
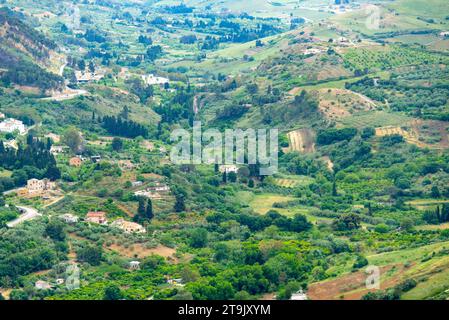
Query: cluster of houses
{"points": [[100, 217], [11, 125], [158, 191]]}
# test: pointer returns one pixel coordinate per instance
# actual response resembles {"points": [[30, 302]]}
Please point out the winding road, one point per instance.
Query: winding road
{"points": [[28, 214]]}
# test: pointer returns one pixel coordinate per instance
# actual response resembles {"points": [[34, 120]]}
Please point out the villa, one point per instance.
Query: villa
{"points": [[96, 217]]}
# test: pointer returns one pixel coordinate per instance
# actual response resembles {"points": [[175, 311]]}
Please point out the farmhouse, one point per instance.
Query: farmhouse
{"points": [[96, 217], [444, 34], [12, 125], [137, 184], [2, 115], [151, 79], [69, 218], [38, 186], [128, 227]]}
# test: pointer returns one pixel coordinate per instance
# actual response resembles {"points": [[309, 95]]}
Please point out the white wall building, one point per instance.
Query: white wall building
{"points": [[151, 79], [11, 125]]}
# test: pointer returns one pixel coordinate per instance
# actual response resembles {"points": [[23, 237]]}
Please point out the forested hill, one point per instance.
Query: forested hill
{"points": [[24, 52]]}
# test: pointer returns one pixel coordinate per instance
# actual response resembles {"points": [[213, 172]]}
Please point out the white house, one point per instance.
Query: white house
{"points": [[42, 285], [69, 218], [134, 265], [11, 125], [151, 79], [57, 149], [228, 168], [300, 295], [2, 115]]}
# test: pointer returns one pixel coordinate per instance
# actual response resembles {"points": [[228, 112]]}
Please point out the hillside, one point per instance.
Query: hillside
{"points": [[25, 54]]}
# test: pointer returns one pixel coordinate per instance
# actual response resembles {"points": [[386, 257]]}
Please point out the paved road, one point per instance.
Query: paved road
{"points": [[28, 214]]}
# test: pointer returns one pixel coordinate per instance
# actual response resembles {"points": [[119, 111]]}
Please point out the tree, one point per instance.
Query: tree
{"points": [[90, 254], [82, 65], [149, 215], [55, 230], [180, 203], [73, 139], [140, 210], [407, 224], [251, 183], [112, 292], [117, 144], [347, 222], [300, 223], [435, 192], [198, 238], [91, 67]]}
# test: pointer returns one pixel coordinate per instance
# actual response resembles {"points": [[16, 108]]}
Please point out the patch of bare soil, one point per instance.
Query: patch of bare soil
{"points": [[353, 286], [140, 251], [302, 140]]}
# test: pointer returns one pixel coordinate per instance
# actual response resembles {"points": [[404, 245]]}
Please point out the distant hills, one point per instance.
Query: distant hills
{"points": [[25, 54]]}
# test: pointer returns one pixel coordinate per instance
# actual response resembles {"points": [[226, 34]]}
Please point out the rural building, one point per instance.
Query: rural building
{"points": [[175, 282], [151, 79], [96, 217], [38, 186], [69, 218], [228, 168], [137, 184], [12, 125], [300, 295], [311, 51], [154, 192], [86, 77], [75, 162], [134, 265], [42, 285], [95, 159], [2, 115], [444, 34], [128, 227], [11, 144], [57, 149]]}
